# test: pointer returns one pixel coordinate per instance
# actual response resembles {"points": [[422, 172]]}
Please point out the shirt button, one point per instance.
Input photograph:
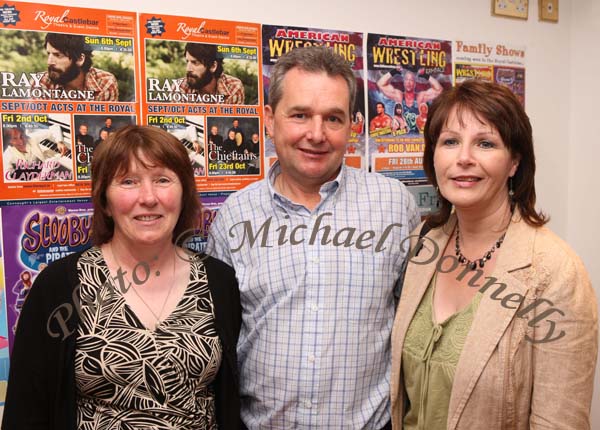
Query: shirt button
{"points": [[311, 358], [308, 404], [314, 307], [314, 260]]}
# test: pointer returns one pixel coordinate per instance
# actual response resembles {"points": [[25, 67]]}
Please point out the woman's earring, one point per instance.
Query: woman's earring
{"points": [[511, 192]]}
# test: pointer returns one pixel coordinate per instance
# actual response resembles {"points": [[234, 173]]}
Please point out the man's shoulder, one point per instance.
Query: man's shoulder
{"points": [[230, 79], [102, 75], [249, 194], [363, 179]]}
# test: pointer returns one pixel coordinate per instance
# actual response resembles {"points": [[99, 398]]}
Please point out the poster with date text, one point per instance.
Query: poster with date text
{"points": [[201, 84], [65, 72]]}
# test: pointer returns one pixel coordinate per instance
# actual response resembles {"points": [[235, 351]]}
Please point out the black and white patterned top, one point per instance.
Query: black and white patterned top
{"points": [[129, 377]]}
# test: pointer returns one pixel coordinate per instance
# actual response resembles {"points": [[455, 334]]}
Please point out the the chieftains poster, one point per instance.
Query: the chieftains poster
{"points": [[64, 73], [201, 84]]}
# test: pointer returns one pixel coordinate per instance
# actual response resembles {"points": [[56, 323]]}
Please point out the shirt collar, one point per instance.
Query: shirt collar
{"points": [[327, 190]]}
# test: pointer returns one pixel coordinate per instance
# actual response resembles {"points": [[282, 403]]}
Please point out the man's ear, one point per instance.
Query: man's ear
{"points": [[80, 60], [269, 122], [213, 68]]}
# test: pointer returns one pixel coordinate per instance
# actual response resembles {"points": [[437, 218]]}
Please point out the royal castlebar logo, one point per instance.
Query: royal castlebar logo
{"points": [[9, 15], [155, 26]]}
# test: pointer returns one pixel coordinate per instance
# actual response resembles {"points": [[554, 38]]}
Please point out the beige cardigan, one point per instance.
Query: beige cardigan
{"points": [[503, 380]]}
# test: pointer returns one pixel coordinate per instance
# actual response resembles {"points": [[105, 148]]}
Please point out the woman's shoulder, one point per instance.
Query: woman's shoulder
{"points": [[218, 272], [553, 252], [214, 262], [63, 268]]}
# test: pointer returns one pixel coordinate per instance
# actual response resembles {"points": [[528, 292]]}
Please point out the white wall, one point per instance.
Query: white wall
{"points": [[562, 61], [583, 205]]}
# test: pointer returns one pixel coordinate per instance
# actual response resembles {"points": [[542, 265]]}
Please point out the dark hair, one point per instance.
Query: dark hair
{"points": [[311, 59], [207, 55], [114, 157], [72, 45], [499, 107]]}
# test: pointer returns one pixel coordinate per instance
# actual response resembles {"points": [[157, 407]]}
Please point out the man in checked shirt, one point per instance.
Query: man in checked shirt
{"points": [[70, 69], [317, 250]]}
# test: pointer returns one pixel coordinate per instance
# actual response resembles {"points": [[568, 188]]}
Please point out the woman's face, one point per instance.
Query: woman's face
{"points": [[472, 164], [145, 204]]}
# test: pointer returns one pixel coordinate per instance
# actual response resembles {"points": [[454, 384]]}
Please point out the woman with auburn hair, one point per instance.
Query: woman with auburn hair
{"points": [[496, 327], [135, 332]]}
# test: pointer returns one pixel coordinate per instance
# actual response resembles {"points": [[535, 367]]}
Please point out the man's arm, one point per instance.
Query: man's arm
{"points": [[217, 245], [388, 121], [431, 93], [385, 85]]}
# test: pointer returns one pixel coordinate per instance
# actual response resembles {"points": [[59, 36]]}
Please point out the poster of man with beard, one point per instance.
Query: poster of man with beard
{"points": [[70, 67], [61, 67], [201, 73], [204, 73]]}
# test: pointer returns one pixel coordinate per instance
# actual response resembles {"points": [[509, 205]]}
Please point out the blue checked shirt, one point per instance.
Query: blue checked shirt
{"points": [[317, 292]]}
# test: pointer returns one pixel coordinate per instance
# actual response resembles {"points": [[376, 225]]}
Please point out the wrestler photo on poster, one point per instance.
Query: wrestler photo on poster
{"points": [[60, 66], [200, 73], [90, 131], [279, 39], [233, 146], [404, 76], [189, 130], [36, 147]]}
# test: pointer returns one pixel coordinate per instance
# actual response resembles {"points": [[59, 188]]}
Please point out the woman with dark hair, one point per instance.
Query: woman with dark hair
{"points": [[497, 324], [135, 332]]}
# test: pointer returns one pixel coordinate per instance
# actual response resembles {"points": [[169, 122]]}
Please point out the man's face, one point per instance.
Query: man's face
{"points": [[236, 123], [83, 130], [61, 69], [18, 140], [310, 127], [255, 138], [409, 82], [214, 130], [197, 74], [103, 134], [108, 122], [380, 109]]}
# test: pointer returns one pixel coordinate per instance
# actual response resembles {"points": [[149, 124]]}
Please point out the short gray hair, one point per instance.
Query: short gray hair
{"points": [[312, 59]]}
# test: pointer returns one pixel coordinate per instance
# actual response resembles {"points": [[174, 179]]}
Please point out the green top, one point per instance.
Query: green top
{"points": [[429, 357]]}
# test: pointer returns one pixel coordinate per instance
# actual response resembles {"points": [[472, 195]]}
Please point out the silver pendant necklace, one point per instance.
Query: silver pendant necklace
{"points": [[156, 316]]}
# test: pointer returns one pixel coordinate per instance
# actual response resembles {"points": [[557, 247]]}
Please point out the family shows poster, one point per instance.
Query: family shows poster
{"points": [[493, 62], [279, 39], [65, 72], [201, 84]]}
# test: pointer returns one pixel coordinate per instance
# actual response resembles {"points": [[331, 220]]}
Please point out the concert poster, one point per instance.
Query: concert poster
{"points": [[492, 62], [201, 83], [59, 62], [280, 39]]}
